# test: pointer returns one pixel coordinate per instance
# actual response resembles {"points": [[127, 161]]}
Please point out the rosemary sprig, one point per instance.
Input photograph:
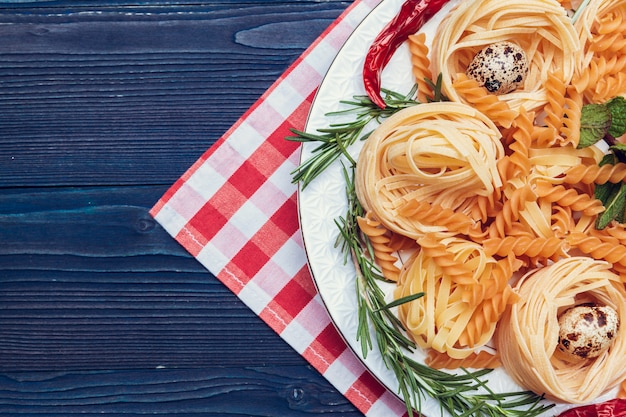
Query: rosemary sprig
{"points": [[335, 139], [460, 394]]}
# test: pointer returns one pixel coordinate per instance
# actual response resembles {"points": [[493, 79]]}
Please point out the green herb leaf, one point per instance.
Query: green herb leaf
{"points": [[580, 9], [617, 107], [619, 147], [612, 196], [604, 192], [619, 152], [614, 207], [620, 216], [436, 87], [404, 300], [595, 121]]}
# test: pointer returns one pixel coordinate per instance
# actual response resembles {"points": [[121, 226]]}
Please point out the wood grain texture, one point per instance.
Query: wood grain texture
{"points": [[254, 391], [103, 105], [136, 92], [91, 281]]}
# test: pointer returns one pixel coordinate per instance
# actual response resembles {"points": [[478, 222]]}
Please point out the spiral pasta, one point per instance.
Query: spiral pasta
{"points": [[480, 360], [528, 334], [570, 128], [381, 245], [521, 142], [617, 231], [590, 174], [535, 248], [540, 27], [601, 28], [598, 248], [460, 274], [427, 213], [478, 97], [582, 202], [421, 66]]}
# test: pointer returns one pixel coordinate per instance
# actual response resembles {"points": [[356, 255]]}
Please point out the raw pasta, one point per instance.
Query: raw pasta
{"points": [[528, 334], [480, 360], [442, 154], [479, 98], [540, 27], [466, 292], [570, 121], [555, 96], [381, 245], [421, 66], [517, 163], [590, 174], [601, 60]]}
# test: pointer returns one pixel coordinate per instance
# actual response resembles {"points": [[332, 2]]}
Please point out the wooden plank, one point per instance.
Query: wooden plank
{"points": [[255, 391]]}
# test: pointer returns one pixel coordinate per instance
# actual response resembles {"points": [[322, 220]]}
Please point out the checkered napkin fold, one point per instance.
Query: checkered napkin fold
{"points": [[235, 211]]}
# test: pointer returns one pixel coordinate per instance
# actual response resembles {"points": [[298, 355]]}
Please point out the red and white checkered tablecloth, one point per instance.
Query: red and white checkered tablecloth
{"points": [[235, 211]]}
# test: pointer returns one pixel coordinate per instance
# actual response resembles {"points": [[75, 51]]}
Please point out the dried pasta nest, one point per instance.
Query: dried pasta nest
{"points": [[424, 168], [528, 333], [541, 28]]}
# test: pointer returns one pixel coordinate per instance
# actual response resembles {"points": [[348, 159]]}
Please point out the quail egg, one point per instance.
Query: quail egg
{"points": [[587, 330], [500, 67]]}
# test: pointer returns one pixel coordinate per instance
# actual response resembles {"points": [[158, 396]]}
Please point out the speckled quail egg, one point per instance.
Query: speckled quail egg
{"points": [[500, 67], [587, 330]]}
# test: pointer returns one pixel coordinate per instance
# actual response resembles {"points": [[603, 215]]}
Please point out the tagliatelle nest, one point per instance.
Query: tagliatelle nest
{"points": [[442, 154], [540, 27]]}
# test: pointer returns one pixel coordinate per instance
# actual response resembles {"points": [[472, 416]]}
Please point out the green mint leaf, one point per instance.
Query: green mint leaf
{"points": [[620, 216], [605, 192], [614, 208], [619, 150], [620, 147], [617, 107], [609, 158], [595, 121]]}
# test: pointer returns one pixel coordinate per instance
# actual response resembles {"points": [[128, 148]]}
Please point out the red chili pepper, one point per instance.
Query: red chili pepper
{"points": [[412, 16], [611, 408]]}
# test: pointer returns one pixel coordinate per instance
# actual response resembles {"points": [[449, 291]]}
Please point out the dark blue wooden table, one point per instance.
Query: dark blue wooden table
{"points": [[103, 105]]}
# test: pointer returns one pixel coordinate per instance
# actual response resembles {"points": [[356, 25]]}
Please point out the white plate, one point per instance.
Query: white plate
{"points": [[324, 200]]}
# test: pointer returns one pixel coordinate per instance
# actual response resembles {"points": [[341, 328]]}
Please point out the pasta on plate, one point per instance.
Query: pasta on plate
{"points": [[486, 202]]}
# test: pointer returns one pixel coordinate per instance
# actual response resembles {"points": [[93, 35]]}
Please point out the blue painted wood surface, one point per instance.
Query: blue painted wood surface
{"points": [[103, 105]]}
